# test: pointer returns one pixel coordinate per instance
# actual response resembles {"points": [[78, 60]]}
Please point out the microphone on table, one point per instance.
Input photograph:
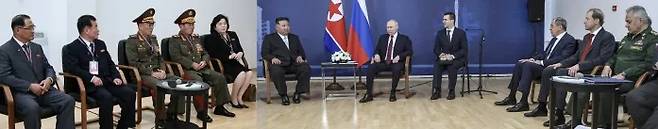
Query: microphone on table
{"points": [[579, 75]]}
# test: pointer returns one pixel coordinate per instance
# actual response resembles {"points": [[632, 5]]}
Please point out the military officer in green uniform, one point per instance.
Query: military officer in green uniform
{"points": [[143, 52], [186, 48], [635, 54]]}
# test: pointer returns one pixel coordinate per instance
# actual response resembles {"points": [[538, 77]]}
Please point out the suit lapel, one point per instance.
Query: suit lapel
{"points": [[83, 47], [595, 42], [20, 52], [281, 42]]}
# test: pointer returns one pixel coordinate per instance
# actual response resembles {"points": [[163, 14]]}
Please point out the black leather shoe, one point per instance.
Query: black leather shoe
{"points": [[435, 95], [296, 98], [559, 124], [519, 107], [220, 110], [285, 100], [392, 98], [539, 111], [204, 117], [366, 98], [506, 101], [451, 95]]}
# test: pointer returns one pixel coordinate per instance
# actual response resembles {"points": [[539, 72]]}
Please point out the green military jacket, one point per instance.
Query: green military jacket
{"points": [[635, 54], [144, 54], [187, 50]]}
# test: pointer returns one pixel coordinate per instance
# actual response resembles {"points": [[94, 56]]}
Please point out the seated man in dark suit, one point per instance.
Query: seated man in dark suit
{"points": [[88, 58], [559, 48], [451, 48], [285, 54], [25, 69], [598, 46], [395, 48]]}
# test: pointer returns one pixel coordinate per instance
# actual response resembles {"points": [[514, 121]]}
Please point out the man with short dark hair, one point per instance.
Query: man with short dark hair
{"points": [[451, 50], [284, 51], [25, 69], [87, 57]]}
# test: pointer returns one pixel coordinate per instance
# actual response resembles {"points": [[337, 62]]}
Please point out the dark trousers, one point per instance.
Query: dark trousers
{"points": [[301, 70], [582, 97], [28, 105], [375, 68], [104, 96], [522, 77], [452, 75], [642, 104]]}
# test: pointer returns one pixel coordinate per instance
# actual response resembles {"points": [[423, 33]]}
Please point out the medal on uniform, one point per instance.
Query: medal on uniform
{"points": [[199, 48]]}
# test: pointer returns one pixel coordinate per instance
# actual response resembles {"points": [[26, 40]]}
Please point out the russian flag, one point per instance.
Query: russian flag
{"points": [[334, 36], [359, 43]]}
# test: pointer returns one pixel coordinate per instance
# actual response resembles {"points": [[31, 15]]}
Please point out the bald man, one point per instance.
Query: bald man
{"points": [[391, 51]]}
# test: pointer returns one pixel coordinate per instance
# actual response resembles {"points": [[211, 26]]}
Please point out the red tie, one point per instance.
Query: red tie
{"points": [[588, 47], [389, 55]]}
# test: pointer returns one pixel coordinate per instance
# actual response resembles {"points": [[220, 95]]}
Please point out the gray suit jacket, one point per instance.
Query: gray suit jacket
{"points": [[17, 71]]}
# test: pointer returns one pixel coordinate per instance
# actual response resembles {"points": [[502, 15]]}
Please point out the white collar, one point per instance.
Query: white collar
{"points": [[280, 35], [561, 35], [85, 41], [19, 42], [451, 29], [597, 31], [394, 35]]}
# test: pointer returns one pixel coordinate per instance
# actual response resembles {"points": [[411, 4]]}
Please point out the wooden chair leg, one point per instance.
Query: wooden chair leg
{"points": [[139, 107], [532, 93], [631, 123], [406, 87], [83, 115], [11, 121], [268, 91]]}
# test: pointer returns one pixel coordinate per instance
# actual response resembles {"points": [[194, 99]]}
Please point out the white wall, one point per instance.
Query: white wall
{"points": [[574, 11], [57, 19]]}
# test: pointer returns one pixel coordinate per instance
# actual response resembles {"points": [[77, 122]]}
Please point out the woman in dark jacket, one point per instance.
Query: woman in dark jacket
{"points": [[225, 46]]}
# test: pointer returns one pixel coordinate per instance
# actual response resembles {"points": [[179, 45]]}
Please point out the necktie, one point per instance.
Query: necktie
{"points": [[549, 49], [449, 36], [92, 47], [588, 47], [285, 40], [28, 54], [389, 49]]}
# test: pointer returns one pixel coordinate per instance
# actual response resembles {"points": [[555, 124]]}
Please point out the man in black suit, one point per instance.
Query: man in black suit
{"points": [[285, 54], [25, 69], [561, 46], [451, 50], [597, 47], [88, 58], [394, 47]]}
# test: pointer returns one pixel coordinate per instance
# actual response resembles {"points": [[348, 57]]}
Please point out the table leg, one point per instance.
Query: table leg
{"points": [[595, 109], [614, 109], [205, 100], [324, 86], [575, 109], [188, 103], [551, 107]]}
